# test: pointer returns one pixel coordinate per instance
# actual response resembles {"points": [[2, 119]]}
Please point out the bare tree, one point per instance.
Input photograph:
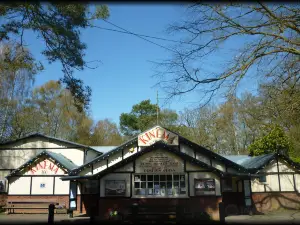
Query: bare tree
{"points": [[265, 38], [17, 72]]}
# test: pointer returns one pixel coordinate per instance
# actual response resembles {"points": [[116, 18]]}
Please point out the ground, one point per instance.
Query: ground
{"points": [[40, 219], [278, 217]]}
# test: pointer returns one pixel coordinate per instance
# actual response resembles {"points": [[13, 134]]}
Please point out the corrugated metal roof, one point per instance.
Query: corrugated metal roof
{"points": [[65, 162], [62, 160], [250, 162], [258, 161], [103, 149], [239, 159], [45, 136]]}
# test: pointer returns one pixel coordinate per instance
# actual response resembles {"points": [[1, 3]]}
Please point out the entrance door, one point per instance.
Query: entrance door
{"points": [[247, 196], [233, 196]]}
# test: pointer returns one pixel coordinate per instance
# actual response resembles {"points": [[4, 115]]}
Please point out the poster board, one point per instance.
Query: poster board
{"points": [[115, 188], [205, 187]]}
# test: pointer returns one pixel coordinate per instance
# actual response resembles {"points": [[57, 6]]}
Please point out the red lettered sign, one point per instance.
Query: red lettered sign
{"points": [[157, 134]]}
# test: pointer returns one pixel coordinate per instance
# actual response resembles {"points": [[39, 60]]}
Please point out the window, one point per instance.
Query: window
{"points": [[263, 179], [159, 185]]}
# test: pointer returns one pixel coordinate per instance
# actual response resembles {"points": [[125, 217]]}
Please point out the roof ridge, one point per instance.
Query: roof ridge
{"points": [[45, 136]]}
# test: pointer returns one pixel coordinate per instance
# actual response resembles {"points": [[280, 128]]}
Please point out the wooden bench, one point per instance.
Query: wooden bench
{"points": [[33, 204]]}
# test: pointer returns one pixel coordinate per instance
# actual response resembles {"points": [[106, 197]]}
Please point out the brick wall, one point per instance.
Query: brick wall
{"points": [[208, 204], [266, 202], [61, 199], [194, 204]]}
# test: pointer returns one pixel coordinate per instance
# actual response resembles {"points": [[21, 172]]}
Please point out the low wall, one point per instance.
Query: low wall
{"points": [[194, 204], [266, 202]]}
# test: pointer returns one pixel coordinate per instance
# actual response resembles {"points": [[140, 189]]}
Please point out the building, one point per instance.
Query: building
{"points": [[156, 167], [31, 167]]}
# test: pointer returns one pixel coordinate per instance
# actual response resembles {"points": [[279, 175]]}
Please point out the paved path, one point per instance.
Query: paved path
{"points": [[285, 217], [279, 217], [40, 219]]}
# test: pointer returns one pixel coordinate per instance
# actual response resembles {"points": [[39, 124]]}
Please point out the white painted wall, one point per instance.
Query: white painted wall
{"points": [[115, 158], [13, 158], [218, 165], [44, 167], [36, 142], [297, 182], [286, 182], [257, 186], [127, 168], [99, 166], [130, 151], [90, 155], [192, 167], [272, 183], [61, 187], [151, 166], [115, 176], [199, 175], [187, 150], [203, 158], [86, 171], [19, 186], [284, 166], [37, 190], [271, 167]]}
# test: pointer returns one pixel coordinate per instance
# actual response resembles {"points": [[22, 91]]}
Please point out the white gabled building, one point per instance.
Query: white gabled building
{"points": [[157, 167]]}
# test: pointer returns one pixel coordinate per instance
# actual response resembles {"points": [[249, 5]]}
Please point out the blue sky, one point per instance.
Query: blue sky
{"points": [[124, 77]]}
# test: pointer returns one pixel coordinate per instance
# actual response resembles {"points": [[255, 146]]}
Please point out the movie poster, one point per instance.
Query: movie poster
{"points": [[115, 188], [205, 187]]}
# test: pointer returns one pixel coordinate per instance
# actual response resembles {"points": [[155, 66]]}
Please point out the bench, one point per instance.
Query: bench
{"points": [[33, 204]]}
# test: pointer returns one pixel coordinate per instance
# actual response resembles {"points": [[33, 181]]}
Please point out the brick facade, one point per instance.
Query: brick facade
{"points": [[266, 202], [61, 199], [209, 204]]}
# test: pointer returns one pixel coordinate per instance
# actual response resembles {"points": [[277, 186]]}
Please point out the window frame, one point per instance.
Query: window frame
{"points": [[165, 190]]}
